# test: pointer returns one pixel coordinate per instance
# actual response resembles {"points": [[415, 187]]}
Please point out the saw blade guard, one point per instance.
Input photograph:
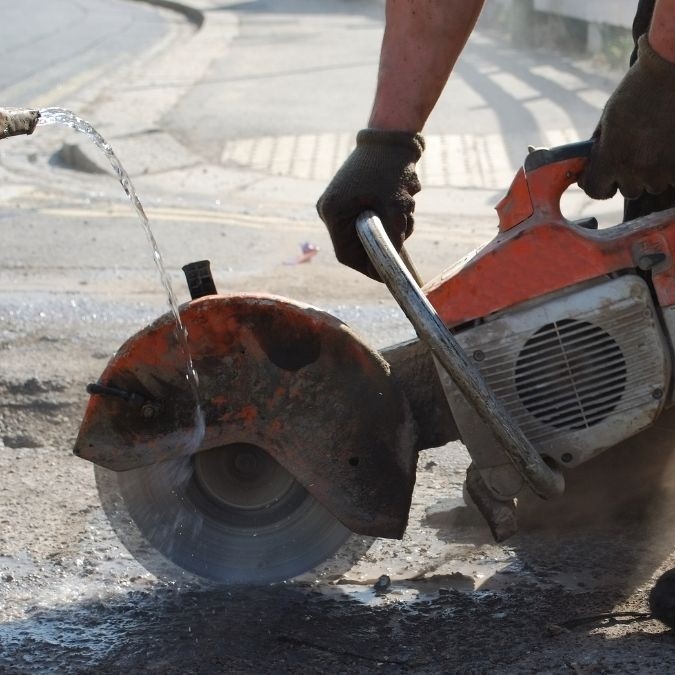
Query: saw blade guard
{"points": [[276, 375]]}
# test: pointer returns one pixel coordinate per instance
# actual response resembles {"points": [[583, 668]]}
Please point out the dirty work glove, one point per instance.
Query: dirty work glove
{"points": [[378, 175], [634, 148]]}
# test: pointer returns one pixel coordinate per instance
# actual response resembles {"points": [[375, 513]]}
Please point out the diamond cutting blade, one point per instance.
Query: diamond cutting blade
{"points": [[232, 515]]}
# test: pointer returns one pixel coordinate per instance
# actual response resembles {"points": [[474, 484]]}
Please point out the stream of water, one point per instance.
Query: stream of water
{"points": [[63, 117]]}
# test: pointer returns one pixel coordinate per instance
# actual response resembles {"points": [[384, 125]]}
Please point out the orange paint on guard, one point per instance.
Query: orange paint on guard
{"points": [[248, 414], [273, 373]]}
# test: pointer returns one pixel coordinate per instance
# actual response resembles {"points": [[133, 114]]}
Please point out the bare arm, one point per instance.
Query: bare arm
{"points": [[662, 29], [422, 40]]}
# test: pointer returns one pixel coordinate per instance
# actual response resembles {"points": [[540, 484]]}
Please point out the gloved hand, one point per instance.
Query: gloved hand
{"points": [[634, 149], [378, 175]]}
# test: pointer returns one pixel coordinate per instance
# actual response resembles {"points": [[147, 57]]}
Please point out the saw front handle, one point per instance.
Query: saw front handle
{"points": [[544, 480]]}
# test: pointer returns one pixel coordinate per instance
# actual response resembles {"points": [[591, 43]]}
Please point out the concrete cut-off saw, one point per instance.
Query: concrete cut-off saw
{"points": [[540, 350]]}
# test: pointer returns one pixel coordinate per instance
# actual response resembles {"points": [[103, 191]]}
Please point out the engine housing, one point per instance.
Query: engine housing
{"points": [[579, 370]]}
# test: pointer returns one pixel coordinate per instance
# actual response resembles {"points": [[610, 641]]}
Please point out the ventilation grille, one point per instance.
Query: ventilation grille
{"points": [[570, 374], [577, 372]]}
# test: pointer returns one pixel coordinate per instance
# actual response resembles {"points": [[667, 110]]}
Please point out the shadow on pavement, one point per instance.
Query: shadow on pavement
{"points": [[287, 629]]}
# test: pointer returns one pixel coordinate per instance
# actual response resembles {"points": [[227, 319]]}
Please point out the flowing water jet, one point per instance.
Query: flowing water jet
{"points": [[25, 122]]}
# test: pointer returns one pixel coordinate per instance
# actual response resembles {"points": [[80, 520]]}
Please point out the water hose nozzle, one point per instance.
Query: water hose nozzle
{"points": [[17, 121]]}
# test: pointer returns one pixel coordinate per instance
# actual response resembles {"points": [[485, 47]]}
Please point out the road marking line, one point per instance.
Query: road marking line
{"points": [[182, 215], [17, 92], [64, 89], [433, 229]]}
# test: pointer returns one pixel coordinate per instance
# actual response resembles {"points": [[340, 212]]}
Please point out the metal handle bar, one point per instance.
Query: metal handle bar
{"points": [[544, 480]]}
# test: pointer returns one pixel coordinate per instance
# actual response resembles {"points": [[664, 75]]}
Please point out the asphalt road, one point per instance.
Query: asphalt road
{"points": [[198, 117], [50, 48]]}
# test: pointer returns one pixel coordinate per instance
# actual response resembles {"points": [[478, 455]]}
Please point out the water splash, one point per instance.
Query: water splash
{"points": [[64, 117]]}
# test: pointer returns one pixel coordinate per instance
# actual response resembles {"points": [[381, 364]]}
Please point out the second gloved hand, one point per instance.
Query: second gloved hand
{"points": [[378, 175], [634, 149]]}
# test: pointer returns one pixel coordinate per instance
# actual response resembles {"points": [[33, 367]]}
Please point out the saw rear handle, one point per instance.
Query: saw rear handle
{"points": [[544, 480]]}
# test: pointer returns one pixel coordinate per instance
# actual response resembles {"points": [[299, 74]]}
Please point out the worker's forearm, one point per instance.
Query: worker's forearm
{"points": [[422, 40], [662, 29]]}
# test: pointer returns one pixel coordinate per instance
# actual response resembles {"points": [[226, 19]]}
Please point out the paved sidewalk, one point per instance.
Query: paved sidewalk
{"points": [[280, 147]]}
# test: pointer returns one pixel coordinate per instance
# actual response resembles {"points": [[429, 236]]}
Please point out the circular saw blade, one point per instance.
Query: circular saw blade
{"points": [[230, 515]]}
